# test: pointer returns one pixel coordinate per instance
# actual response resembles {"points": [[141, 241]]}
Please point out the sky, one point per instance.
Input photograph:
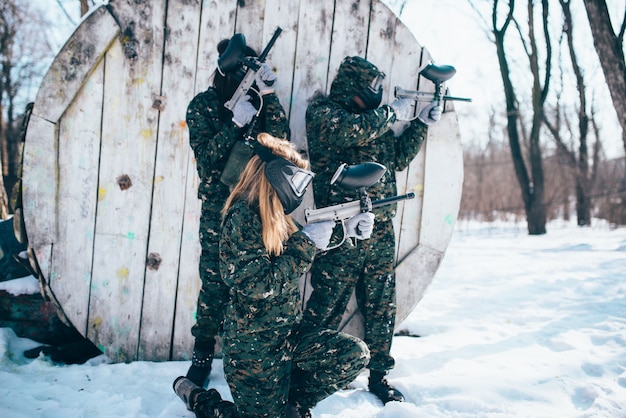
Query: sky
{"points": [[512, 325]]}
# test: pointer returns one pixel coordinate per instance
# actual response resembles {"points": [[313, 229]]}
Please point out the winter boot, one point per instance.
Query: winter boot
{"points": [[187, 391], [379, 386], [201, 362], [204, 403]]}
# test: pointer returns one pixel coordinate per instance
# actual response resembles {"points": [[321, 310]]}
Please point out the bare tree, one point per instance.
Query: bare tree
{"points": [[579, 163], [23, 55], [84, 7], [610, 48], [530, 180]]}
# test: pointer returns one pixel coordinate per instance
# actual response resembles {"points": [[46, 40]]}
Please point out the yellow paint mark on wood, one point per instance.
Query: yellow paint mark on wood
{"points": [[122, 273], [146, 133], [102, 194], [95, 322]]}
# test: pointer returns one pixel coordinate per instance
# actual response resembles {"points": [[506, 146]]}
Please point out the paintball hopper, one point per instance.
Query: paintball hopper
{"points": [[359, 176], [230, 60], [438, 73]]}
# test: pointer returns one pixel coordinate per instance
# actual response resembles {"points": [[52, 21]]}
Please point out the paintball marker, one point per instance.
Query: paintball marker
{"points": [[234, 57], [438, 74], [355, 177]]}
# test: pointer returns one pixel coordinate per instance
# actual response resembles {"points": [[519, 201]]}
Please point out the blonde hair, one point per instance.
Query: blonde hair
{"points": [[256, 189]]}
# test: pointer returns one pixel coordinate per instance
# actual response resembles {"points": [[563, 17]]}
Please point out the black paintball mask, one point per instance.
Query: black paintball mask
{"points": [[231, 64], [289, 181], [372, 95]]}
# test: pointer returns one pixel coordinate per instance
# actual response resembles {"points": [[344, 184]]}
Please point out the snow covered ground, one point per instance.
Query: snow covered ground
{"points": [[512, 326]]}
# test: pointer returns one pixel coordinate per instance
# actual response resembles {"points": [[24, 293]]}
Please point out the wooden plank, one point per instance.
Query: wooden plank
{"points": [[349, 36], [217, 22], [130, 121], [39, 194], [310, 76], [409, 215], [421, 266], [76, 211], [74, 62], [442, 196], [281, 58], [188, 276], [249, 22], [168, 200], [314, 37]]}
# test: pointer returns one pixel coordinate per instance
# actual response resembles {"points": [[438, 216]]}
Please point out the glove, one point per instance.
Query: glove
{"points": [[403, 108], [430, 114], [320, 233], [265, 79], [243, 112], [360, 226]]}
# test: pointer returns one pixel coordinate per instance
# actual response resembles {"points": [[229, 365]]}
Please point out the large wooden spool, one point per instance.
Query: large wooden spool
{"points": [[109, 180]]}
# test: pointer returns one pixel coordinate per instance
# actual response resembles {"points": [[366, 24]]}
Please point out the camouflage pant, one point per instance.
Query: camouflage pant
{"points": [[267, 370], [368, 270], [213, 297]]}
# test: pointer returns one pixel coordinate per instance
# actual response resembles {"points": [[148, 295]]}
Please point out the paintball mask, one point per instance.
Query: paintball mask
{"points": [[372, 95], [232, 58], [289, 181]]}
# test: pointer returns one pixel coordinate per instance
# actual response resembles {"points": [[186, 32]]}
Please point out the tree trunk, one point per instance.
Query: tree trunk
{"points": [[84, 7], [609, 47]]}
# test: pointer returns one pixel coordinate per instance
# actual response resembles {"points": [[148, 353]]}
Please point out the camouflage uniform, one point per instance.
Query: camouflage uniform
{"points": [[211, 136], [338, 133], [269, 359]]}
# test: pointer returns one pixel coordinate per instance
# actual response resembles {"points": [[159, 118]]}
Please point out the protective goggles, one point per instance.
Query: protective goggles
{"points": [[377, 83], [283, 172], [289, 181]]}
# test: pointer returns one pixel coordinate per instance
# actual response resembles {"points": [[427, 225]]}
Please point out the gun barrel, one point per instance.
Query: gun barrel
{"points": [[462, 99], [270, 44], [392, 199]]}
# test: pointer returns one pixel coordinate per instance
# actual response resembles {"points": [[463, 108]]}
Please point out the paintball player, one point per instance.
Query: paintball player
{"points": [[349, 126], [213, 132], [274, 367]]}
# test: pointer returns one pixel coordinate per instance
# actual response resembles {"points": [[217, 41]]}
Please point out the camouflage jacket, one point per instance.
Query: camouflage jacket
{"points": [[212, 132], [336, 135], [264, 289]]}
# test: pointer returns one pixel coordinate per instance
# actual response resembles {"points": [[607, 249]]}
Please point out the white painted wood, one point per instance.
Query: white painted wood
{"points": [[74, 62], [130, 123], [168, 199], [79, 151], [314, 35], [283, 14], [350, 22], [188, 275], [39, 193], [444, 178], [217, 22]]}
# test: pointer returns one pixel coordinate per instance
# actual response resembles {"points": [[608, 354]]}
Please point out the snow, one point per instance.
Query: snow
{"points": [[512, 326], [22, 286]]}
